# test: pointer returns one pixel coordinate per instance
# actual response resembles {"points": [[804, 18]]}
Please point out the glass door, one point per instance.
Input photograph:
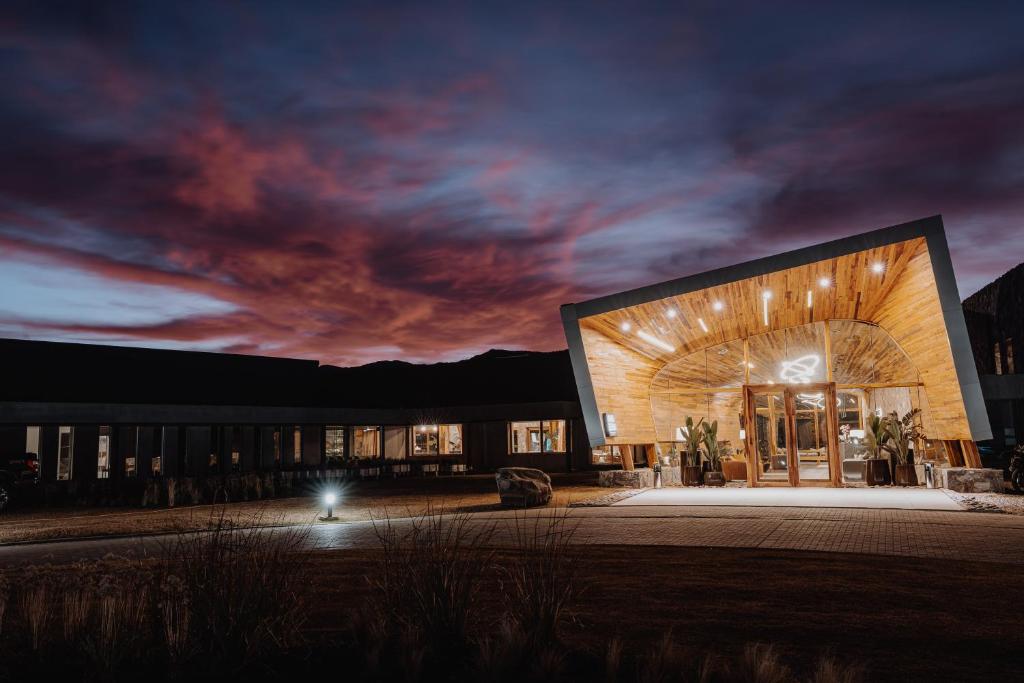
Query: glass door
{"points": [[792, 436]]}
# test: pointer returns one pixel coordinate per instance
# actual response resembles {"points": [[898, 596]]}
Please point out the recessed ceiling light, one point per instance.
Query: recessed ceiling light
{"points": [[824, 282], [671, 313], [718, 305], [878, 267], [625, 327]]}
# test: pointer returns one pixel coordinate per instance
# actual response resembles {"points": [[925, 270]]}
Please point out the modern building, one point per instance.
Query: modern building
{"points": [[790, 354], [995, 320], [106, 420]]}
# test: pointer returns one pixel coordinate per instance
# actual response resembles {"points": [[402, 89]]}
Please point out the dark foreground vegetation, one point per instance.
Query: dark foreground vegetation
{"points": [[440, 600]]}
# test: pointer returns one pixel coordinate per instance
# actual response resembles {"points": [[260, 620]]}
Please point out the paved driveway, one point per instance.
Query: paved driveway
{"points": [[872, 498], [984, 537]]}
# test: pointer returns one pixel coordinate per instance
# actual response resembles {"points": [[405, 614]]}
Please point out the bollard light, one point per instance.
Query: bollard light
{"points": [[329, 500]]}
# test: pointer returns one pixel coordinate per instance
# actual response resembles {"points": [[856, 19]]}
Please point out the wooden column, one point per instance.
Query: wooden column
{"points": [[972, 458], [832, 427], [627, 457], [652, 454]]}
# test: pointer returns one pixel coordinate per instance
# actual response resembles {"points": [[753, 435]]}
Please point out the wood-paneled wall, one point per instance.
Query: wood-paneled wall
{"points": [[622, 384], [912, 315]]}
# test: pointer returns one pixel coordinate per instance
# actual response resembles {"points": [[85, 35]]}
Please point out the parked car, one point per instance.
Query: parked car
{"points": [[18, 475]]}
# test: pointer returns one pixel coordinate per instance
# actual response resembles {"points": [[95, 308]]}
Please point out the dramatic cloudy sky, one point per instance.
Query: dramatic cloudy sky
{"points": [[357, 181]]}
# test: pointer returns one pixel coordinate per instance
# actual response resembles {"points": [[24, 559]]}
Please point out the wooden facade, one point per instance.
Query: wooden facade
{"points": [[871, 314]]}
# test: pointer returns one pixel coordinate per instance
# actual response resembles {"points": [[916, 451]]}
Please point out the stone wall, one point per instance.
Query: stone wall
{"points": [[971, 480]]}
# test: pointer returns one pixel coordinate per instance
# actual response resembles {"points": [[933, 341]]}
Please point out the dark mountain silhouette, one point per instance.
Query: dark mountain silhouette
{"points": [[64, 372]]}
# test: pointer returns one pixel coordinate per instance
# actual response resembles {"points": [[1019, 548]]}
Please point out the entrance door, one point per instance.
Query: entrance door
{"points": [[791, 438]]}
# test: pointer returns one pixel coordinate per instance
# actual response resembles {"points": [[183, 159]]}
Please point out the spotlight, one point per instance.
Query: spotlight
{"points": [[625, 327], [671, 313], [824, 282], [877, 267], [718, 305]]}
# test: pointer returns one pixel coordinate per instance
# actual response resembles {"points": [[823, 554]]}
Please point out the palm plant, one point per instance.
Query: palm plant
{"points": [[712, 449], [875, 436], [901, 433], [693, 436]]}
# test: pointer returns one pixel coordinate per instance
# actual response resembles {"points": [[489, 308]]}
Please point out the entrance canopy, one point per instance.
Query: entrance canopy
{"points": [[875, 317]]}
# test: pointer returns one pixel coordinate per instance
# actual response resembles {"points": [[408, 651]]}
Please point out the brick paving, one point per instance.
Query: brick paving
{"points": [[984, 537]]}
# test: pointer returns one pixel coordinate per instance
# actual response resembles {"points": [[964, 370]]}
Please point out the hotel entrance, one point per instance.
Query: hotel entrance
{"points": [[792, 435]]}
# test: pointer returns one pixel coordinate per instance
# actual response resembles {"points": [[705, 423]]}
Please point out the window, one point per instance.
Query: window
{"points": [[236, 448], [606, 455], [1009, 357], [130, 470], [32, 446], [435, 439], [297, 445], [103, 454], [156, 465], [65, 452], [998, 356], [366, 442], [849, 410], [334, 445], [546, 436], [277, 447]]}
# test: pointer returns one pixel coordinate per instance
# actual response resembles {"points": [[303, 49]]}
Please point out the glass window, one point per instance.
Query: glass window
{"points": [[297, 445], [450, 439], [424, 440], [997, 354], [103, 454], [157, 463], [236, 448], [65, 452], [130, 459], [432, 439], [1010, 370], [334, 445], [606, 455], [32, 446], [277, 446], [366, 441], [547, 436]]}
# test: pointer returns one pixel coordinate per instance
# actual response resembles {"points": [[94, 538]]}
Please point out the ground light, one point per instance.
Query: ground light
{"points": [[329, 499]]}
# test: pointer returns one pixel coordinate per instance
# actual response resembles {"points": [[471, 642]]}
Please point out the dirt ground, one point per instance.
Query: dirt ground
{"points": [[904, 619], [358, 502]]}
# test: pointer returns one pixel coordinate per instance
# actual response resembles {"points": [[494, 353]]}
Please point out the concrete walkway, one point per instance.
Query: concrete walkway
{"points": [[973, 536], [872, 498]]}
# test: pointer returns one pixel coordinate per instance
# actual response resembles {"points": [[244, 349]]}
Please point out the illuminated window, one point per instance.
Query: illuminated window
{"points": [[998, 354], [277, 446], [65, 452], [32, 446], [236, 448], [366, 441], [103, 454], [297, 445], [1009, 357], [432, 439], [334, 445], [606, 455], [547, 436]]}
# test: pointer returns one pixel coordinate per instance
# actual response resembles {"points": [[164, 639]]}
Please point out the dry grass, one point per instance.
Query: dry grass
{"points": [[362, 501], [216, 602]]}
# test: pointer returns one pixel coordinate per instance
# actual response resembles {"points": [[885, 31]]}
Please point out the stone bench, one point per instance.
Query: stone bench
{"points": [[642, 478], [972, 480]]}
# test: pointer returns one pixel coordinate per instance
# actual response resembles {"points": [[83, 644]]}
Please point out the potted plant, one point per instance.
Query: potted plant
{"points": [[875, 438], [902, 433], [693, 435], [713, 456]]}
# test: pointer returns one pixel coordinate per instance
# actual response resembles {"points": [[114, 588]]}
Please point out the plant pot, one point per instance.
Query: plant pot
{"points": [[714, 478], [691, 475], [878, 472], [906, 475]]}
